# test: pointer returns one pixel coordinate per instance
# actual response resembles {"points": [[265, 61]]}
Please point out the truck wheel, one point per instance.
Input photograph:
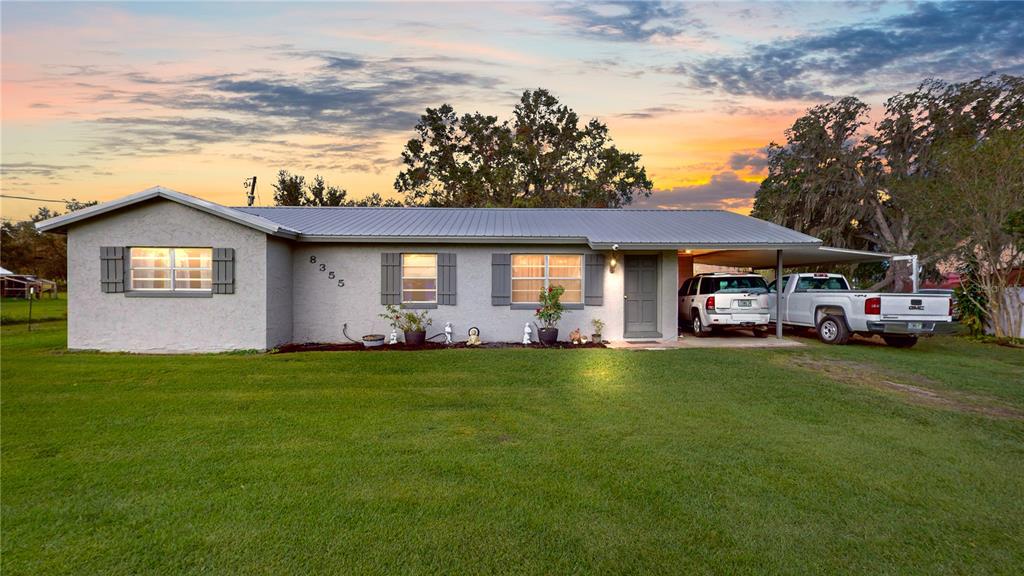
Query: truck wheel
{"points": [[900, 341], [698, 326], [832, 330]]}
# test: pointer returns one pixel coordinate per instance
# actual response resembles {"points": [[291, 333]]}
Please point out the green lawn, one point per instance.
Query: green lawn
{"points": [[512, 461], [45, 309]]}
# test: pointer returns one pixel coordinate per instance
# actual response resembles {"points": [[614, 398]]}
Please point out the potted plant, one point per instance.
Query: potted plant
{"points": [[598, 325], [412, 324], [549, 313]]}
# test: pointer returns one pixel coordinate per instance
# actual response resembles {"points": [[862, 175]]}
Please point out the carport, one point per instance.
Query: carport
{"points": [[800, 256]]}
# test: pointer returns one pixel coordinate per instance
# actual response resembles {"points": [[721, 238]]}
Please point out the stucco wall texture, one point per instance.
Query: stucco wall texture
{"points": [[281, 297], [321, 307], [114, 322]]}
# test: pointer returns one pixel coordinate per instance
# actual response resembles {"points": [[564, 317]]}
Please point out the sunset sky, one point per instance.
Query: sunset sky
{"points": [[101, 100]]}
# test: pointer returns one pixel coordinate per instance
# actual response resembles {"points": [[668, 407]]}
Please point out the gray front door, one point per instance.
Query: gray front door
{"points": [[641, 294]]}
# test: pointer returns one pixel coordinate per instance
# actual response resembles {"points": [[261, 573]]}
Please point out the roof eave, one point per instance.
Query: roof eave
{"points": [[623, 246], [371, 239], [60, 223]]}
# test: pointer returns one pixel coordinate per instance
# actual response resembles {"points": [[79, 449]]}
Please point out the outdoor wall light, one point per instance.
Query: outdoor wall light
{"points": [[612, 263]]}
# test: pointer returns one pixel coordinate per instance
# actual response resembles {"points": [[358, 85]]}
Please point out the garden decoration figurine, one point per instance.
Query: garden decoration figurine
{"points": [[584, 340], [448, 333], [393, 339], [574, 336], [526, 335], [550, 312], [474, 337]]}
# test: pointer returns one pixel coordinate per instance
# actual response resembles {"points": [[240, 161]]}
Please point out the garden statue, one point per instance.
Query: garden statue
{"points": [[474, 337], [574, 336], [448, 333], [584, 340], [394, 338], [526, 335]]}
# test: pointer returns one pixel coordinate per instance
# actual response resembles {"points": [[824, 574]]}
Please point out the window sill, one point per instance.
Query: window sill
{"points": [[419, 306], [167, 294], [524, 306]]}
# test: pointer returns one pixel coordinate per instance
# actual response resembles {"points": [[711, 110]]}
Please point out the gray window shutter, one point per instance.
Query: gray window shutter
{"points": [[446, 279], [391, 278], [593, 283], [223, 270], [501, 279], [112, 268]]}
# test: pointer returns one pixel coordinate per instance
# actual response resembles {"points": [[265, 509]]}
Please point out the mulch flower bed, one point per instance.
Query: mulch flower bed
{"points": [[321, 347]]}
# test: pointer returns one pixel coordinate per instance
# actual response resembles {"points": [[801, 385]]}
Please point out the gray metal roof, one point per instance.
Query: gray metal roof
{"points": [[600, 228]]}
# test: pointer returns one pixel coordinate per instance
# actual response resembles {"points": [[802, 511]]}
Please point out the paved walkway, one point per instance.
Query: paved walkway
{"points": [[727, 340]]}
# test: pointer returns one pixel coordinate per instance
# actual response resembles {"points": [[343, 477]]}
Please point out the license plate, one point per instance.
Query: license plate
{"points": [[915, 325], [745, 303]]}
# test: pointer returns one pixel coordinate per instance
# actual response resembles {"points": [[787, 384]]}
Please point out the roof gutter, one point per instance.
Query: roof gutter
{"points": [[623, 246]]}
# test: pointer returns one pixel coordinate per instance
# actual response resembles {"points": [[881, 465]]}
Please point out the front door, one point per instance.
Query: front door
{"points": [[641, 294]]}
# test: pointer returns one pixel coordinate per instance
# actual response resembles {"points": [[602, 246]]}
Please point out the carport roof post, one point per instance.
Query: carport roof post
{"points": [[778, 294]]}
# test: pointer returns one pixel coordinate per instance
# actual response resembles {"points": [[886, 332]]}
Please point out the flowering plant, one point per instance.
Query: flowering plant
{"points": [[406, 321], [550, 311]]}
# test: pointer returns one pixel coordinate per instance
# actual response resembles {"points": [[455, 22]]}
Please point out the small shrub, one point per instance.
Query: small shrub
{"points": [[550, 311], [405, 320]]}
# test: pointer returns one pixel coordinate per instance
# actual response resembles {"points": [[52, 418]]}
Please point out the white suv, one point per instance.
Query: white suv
{"points": [[723, 299]]}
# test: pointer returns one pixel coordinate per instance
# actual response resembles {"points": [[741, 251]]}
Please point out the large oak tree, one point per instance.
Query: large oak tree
{"points": [[857, 189], [542, 157]]}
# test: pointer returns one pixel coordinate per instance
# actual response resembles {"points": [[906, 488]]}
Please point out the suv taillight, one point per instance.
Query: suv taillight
{"points": [[709, 304], [873, 306]]}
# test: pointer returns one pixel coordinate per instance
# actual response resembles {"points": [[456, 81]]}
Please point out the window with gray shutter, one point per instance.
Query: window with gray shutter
{"points": [[391, 278], [501, 279], [112, 268], [446, 279], [223, 270], [594, 281]]}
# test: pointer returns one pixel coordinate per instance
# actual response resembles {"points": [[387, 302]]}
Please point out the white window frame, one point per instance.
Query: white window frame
{"points": [[402, 280], [547, 276], [171, 268]]}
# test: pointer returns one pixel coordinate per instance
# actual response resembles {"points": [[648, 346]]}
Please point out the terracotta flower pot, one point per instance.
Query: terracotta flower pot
{"points": [[547, 336], [415, 338]]}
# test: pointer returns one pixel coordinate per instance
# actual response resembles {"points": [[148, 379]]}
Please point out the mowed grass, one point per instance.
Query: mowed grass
{"points": [[15, 310], [505, 462]]}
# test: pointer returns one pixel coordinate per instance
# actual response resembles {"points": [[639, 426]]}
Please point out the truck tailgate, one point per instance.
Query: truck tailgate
{"points": [[895, 306]]}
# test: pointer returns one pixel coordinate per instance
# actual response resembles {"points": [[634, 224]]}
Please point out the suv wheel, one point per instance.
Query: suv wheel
{"points": [[832, 330], [698, 326]]}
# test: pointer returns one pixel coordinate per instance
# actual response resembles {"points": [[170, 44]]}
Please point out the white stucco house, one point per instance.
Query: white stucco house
{"points": [[162, 271]]}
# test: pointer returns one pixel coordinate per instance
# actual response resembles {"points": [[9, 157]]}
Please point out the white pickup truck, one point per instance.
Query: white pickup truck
{"points": [[826, 302]]}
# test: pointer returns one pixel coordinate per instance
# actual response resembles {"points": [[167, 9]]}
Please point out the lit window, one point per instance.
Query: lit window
{"points": [[419, 278], [172, 269], [532, 273]]}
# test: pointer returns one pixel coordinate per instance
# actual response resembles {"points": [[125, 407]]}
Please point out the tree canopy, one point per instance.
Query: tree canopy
{"points": [[857, 189], [542, 157], [293, 190], [25, 250]]}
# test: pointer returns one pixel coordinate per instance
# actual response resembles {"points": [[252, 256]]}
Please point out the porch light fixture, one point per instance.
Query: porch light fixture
{"points": [[612, 263]]}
